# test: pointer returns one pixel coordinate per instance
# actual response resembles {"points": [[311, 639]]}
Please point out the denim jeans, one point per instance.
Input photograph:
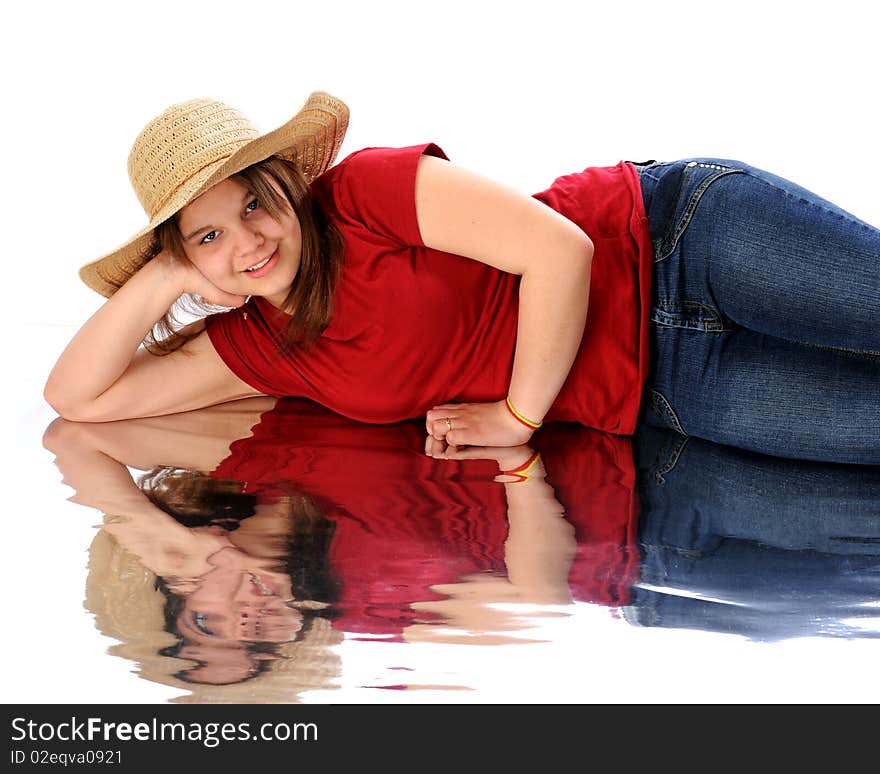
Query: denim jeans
{"points": [[765, 313], [745, 543]]}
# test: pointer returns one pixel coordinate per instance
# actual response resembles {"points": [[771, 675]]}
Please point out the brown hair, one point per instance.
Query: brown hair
{"points": [[303, 536], [129, 604], [310, 301]]}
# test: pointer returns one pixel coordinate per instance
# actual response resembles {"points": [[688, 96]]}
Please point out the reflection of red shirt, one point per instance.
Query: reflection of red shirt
{"points": [[405, 521], [414, 327]]}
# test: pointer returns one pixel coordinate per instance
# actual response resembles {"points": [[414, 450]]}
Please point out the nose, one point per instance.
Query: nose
{"points": [[248, 240]]}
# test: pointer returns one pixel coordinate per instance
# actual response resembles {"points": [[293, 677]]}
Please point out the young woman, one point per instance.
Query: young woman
{"points": [[396, 285]]}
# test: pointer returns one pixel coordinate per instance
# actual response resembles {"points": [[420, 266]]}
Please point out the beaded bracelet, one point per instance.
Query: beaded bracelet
{"points": [[520, 418]]}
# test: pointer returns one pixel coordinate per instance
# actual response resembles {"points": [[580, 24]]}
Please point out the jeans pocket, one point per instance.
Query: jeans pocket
{"points": [[694, 181], [667, 457], [691, 315], [664, 412]]}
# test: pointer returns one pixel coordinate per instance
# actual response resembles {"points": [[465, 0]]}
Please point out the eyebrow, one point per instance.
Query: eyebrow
{"points": [[247, 195]]}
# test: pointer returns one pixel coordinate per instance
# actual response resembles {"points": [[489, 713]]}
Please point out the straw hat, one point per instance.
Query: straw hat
{"points": [[194, 145]]}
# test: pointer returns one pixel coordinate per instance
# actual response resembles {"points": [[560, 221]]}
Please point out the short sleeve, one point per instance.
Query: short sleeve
{"points": [[374, 189]]}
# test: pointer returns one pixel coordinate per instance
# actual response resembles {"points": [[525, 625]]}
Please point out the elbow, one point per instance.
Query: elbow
{"points": [[65, 406], [585, 248], [574, 246], [588, 256], [60, 433], [53, 394], [589, 246], [581, 253]]}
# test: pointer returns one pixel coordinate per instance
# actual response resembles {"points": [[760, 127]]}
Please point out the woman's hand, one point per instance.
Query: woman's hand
{"points": [[103, 374], [512, 460], [191, 280], [473, 424]]}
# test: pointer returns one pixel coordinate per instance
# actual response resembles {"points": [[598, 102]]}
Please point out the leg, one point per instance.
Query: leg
{"points": [[695, 494], [769, 395], [791, 546], [766, 313], [784, 262]]}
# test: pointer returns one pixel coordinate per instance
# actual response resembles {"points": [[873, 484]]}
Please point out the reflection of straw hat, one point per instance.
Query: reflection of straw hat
{"points": [[123, 596], [193, 146]]}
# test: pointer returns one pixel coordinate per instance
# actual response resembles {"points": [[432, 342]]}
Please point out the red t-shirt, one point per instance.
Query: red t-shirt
{"points": [[405, 522], [414, 327]]}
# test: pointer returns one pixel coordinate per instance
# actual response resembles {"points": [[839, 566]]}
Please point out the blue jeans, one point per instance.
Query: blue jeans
{"points": [[765, 313], [744, 543]]}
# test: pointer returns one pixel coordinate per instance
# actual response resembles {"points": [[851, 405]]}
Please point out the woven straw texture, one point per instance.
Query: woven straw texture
{"points": [[194, 145]]}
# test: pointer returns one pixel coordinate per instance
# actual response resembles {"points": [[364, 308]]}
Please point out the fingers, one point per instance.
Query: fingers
{"points": [[217, 297], [440, 428], [199, 286], [440, 448], [444, 435], [449, 431], [435, 447], [466, 453], [446, 422]]}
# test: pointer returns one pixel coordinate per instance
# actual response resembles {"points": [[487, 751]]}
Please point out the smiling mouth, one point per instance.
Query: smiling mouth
{"points": [[261, 264], [259, 587]]}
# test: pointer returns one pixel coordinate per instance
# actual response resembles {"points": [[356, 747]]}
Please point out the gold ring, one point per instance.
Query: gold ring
{"points": [[448, 423]]}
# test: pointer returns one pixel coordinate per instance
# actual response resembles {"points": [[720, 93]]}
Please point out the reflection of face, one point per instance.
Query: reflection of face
{"points": [[232, 607], [240, 605], [229, 236]]}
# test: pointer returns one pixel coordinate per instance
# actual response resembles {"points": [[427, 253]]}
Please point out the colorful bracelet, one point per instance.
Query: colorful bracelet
{"points": [[520, 418], [520, 472]]}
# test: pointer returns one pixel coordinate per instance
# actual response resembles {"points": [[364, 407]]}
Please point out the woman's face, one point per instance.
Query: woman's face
{"points": [[234, 604], [234, 242]]}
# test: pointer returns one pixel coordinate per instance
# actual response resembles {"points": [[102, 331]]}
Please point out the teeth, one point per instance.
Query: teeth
{"points": [[261, 587], [259, 265]]}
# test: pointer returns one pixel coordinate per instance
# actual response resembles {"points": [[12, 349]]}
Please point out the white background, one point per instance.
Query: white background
{"points": [[521, 91]]}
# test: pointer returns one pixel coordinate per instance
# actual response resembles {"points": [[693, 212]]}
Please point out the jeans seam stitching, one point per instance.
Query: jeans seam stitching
{"points": [[660, 403], [849, 217], [689, 210], [660, 253], [672, 456], [715, 325], [868, 353]]}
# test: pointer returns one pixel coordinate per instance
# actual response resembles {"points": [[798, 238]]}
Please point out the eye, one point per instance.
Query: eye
{"points": [[201, 622], [252, 205], [209, 237]]}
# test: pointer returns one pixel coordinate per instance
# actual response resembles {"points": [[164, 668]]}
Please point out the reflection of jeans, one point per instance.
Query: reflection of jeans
{"points": [[755, 545], [766, 313], [695, 494]]}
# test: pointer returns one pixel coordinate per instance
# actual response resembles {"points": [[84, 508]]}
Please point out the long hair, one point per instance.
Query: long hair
{"points": [[310, 301], [130, 605], [196, 499], [301, 547]]}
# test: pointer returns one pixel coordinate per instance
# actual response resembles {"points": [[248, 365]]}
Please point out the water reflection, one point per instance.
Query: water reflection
{"points": [[259, 535], [756, 546], [240, 545]]}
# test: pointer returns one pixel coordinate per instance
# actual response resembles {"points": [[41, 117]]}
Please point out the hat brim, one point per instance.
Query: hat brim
{"points": [[312, 139]]}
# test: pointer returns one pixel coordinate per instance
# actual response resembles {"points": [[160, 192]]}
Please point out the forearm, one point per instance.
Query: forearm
{"points": [[552, 312], [103, 348], [540, 545], [553, 305], [102, 482]]}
